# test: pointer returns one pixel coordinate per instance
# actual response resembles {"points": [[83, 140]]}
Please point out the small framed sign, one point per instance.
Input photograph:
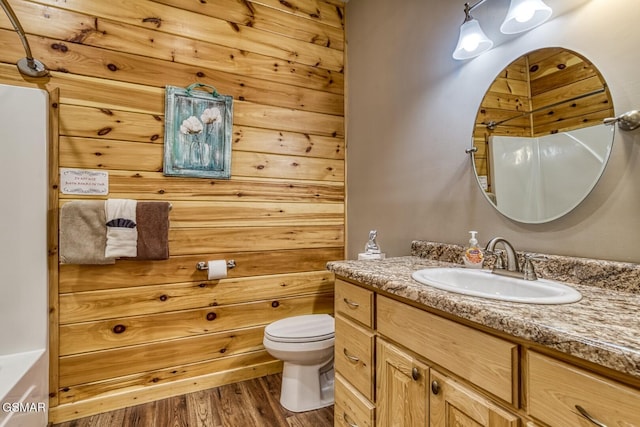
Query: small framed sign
{"points": [[84, 182], [197, 139]]}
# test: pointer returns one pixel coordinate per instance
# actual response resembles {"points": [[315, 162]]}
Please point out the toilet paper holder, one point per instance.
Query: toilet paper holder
{"points": [[202, 265]]}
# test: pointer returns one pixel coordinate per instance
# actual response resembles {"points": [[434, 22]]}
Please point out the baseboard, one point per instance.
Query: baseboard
{"points": [[126, 398]]}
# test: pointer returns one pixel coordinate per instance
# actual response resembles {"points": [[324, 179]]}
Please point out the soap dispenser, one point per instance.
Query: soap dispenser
{"points": [[371, 249], [473, 256]]}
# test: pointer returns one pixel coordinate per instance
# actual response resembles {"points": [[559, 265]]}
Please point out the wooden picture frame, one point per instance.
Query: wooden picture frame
{"points": [[198, 127]]}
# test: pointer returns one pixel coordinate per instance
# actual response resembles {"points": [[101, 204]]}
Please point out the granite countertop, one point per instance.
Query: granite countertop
{"points": [[603, 327]]}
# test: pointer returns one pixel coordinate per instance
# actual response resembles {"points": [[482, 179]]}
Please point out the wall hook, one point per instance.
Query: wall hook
{"points": [[627, 121]]}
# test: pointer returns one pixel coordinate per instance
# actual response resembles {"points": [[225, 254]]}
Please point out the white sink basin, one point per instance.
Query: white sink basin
{"points": [[484, 284]]}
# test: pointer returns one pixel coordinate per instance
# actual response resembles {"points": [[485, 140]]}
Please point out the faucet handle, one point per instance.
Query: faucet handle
{"points": [[499, 254], [528, 269]]}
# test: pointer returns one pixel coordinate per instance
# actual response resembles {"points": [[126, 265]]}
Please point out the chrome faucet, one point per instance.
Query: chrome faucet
{"points": [[513, 268], [512, 260]]}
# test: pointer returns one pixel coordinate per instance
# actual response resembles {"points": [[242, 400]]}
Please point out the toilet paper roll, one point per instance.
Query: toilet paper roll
{"points": [[217, 269]]}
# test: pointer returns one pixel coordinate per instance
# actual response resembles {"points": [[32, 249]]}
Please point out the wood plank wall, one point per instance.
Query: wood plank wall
{"points": [[543, 82], [280, 216]]}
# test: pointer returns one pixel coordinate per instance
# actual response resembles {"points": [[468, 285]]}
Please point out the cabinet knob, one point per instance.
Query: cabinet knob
{"points": [[435, 387], [415, 374], [585, 414]]}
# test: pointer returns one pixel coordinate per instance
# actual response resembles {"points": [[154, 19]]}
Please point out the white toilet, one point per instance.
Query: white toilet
{"points": [[305, 345]]}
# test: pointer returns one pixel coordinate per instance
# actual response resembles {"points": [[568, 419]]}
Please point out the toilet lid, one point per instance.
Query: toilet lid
{"points": [[307, 328]]}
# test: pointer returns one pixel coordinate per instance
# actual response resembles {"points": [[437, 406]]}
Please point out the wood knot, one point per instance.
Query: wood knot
{"points": [[163, 298], [118, 329], [157, 21], [211, 316], [59, 46], [275, 304]]}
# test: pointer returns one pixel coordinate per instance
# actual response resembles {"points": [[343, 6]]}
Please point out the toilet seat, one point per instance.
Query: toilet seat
{"points": [[307, 328]]}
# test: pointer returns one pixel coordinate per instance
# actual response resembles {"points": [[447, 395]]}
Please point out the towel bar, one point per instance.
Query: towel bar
{"points": [[202, 265]]}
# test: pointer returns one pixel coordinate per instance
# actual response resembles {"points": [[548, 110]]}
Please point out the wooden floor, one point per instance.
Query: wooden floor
{"points": [[252, 403]]}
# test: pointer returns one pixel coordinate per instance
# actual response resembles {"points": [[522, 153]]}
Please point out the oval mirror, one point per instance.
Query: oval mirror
{"points": [[540, 145]]}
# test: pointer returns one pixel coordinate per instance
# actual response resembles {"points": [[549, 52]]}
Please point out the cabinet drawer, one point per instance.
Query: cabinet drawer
{"points": [[354, 355], [355, 302], [484, 360], [554, 388], [351, 409]]}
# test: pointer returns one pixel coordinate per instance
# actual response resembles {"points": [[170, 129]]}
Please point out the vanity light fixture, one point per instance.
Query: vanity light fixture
{"points": [[472, 41], [522, 15]]}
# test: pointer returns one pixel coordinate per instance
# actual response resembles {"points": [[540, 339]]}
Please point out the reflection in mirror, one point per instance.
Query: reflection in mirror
{"points": [[541, 145]]}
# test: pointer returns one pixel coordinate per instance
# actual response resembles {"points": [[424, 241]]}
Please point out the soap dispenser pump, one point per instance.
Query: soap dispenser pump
{"points": [[473, 256]]}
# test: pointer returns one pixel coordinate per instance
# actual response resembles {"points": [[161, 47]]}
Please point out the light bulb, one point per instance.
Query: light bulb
{"points": [[524, 13], [472, 41]]}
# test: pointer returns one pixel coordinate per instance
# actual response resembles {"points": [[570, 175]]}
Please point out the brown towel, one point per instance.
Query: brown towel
{"points": [[83, 233], [152, 219]]}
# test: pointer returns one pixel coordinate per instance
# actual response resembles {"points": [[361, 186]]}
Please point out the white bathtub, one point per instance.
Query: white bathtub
{"points": [[24, 361], [23, 389]]}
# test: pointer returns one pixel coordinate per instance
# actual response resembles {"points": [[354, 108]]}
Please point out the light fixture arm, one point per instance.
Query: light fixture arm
{"points": [[468, 8]]}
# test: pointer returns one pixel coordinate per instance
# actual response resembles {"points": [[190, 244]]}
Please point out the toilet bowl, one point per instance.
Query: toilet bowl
{"points": [[305, 345]]}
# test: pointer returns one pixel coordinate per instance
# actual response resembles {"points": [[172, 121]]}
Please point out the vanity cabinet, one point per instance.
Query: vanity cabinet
{"points": [[400, 365]]}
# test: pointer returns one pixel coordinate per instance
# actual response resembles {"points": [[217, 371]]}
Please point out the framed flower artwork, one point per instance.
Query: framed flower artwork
{"points": [[197, 136]]}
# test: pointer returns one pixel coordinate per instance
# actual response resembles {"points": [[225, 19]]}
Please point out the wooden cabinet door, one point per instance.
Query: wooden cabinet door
{"points": [[455, 405], [401, 388]]}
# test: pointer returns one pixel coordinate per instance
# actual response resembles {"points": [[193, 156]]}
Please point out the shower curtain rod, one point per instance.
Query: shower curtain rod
{"points": [[28, 66], [493, 124]]}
